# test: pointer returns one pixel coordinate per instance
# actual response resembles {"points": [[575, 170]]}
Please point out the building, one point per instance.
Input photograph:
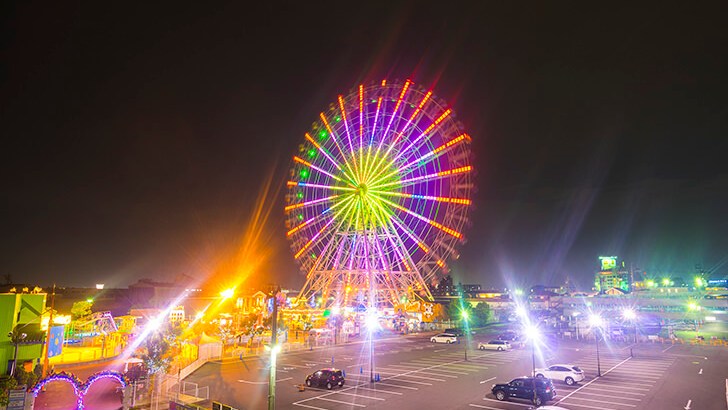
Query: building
{"points": [[20, 313], [613, 275]]}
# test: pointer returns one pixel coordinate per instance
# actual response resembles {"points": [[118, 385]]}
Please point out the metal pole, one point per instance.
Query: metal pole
{"points": [[533, 366], [273, 346], [48, 333], [15, 356], [599, 368], [371, 356]]}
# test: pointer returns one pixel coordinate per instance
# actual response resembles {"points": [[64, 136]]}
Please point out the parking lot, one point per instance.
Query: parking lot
{"points": [[415, 373]]}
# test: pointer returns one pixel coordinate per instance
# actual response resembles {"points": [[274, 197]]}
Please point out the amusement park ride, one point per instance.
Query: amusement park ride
{"points": [[378, 196]]}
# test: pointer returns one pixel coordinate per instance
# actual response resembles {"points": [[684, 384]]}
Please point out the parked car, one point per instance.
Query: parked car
{"points": [[500, 345], [523, 388], [455, 331], [444, 338], [568, 373], [326, 378], [508, 335]]}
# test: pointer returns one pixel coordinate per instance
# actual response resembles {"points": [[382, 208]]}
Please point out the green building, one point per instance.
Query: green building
{"points": [[20, 313], [613, 274]]}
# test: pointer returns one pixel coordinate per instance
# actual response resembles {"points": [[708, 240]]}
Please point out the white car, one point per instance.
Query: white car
{"points": [[500, 345], [444, 338], [567, 373]]}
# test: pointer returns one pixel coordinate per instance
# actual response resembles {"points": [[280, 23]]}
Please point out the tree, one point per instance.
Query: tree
{"points": [[81, 309], [457, 307], [480, 314]]}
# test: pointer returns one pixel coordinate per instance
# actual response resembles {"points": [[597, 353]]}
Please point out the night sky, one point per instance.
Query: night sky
{"points": [[137, 139]]}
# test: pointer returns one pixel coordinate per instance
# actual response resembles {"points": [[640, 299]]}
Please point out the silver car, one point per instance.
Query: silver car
{"points": [[500, 345]]}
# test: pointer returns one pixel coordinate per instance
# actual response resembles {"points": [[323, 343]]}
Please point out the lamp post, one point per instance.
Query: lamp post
{"points": [[372, 322], [596, 323], [532, 335], [15, 338], [466, 329], [631, 315]]}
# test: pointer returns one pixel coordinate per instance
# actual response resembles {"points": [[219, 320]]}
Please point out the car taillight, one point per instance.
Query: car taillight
{"points": [[548, 390]]}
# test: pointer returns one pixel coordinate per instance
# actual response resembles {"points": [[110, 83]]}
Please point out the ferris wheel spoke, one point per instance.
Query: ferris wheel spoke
{"points": [[328, 156], [348, 134], [435, 175], [310, 165], [409, 147], [330, 187], [334, 137], [435, 153], [371, 138], [309, 203], [317, 235], [394, 115], [310, 220], [425, 219], [461, 201]]}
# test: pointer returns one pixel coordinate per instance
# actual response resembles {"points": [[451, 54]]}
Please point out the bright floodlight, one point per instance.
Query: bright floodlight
{"points": [[692, 306], [464, 314], [531, 332], [335, 310], [595, 320], [521, 311], [629, 314], [227, 293], [372, 321]]}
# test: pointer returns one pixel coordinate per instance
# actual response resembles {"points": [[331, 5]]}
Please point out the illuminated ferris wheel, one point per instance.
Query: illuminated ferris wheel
{"points": [[378, 196]]}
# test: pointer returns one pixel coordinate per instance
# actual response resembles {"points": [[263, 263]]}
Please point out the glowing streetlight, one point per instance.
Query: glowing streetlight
{"points": [[274, 350], [227, 293], [372, 322], [596, 322], [464, 315], [631, 315]]}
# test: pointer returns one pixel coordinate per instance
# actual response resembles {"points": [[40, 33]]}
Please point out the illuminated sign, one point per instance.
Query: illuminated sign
{"points": [[608, 262]]}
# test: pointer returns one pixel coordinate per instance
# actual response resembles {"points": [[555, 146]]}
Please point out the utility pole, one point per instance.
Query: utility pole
{"points": [[273, 350], [48, 332]]}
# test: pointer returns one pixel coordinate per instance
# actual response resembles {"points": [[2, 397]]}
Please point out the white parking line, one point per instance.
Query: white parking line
{"points": [[379, 391], [590, 382], [588, 407], [669, 347], [603, 401], [415, 376], [339, 401], [612, 396], [397, 385], [359, 395], [310, 407], [622, 386], [510, 402], [484, 407]]}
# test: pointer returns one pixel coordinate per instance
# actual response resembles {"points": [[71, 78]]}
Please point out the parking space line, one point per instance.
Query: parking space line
{"points": [[603, 401], [590, 382], [418, 368], [622, 386], [604, 395], [359, 395], [483, 407], [339, 401], [400, 379], [420, 377], [588, 407], [510, 402], [397, 385], [379, 391], [310, 407]]}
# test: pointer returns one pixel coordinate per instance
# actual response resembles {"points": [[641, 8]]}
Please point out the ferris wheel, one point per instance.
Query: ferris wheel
{"points": [[378, 196]]}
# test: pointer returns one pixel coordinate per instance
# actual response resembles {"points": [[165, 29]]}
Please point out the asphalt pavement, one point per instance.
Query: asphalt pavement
{"points": [[417, 374]]}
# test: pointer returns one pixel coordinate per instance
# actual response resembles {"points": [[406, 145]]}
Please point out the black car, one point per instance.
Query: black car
{"points": [[508, 336], [455, 331], [522, 388], [325, 378]]}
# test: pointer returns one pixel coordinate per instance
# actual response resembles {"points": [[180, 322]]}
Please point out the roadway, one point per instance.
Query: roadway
{"points": [[415, 373]]}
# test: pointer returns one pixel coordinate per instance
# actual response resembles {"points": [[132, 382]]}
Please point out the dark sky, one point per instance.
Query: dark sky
{"points": [[136, 138]]}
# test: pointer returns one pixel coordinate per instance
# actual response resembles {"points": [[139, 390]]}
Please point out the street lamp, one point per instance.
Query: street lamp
{"points": [[466, 329], [15, 338], [274, 349], [631, 315], [595, 321], [531, 332], [372, 322]]}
